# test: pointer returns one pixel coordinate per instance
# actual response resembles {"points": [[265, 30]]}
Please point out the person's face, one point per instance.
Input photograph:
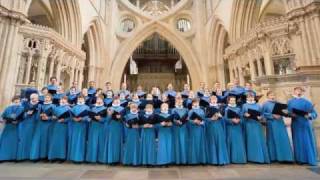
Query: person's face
{"points": [[170, 87], [134, 108], [250, 98], [195, 104], [59, 89], [16, 101], [75, 84], [124, 86], [99, 101], [35, 99], [232, 101], [186, 87], [63, 101], [84, 91], [149, 109], [202, 84], [236, 82], [73, 90], [109, 94], [92, 84], [44, 91], [149, 97], [298, 92], [164, 97], [164, 108], [191, 94], [179, 102], [139, 88], [47, 99], [108, 86], [217, 85], [248, 86], [80, 100], [53, 81], [122, 96], [213, 99], [116, 101], [271, 96]]}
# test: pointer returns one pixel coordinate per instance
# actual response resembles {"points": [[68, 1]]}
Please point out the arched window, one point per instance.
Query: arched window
{"points": [[183, 25]]}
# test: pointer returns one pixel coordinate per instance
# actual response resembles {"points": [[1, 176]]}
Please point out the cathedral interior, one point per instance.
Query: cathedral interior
{"points": [[273, 44]]}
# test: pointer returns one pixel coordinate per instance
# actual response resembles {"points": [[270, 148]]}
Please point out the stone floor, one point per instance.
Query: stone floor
{"points": [[44, 171]]}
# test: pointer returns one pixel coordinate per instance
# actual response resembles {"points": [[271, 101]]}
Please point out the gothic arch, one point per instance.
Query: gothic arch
{"points": [[95, 52], [129, 45], [218, 38]]}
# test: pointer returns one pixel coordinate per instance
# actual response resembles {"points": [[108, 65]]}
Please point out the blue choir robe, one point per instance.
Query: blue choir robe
{"points": [[97, 136], [79, 133], [72, 98], [41, 137], [26, 130], [277, 136], [257, 150], [187, 103], [115, 136], [92, 91], [148, 139], [181, 135], [239, 92], [58, 148], [235, 138], [56, 98], [52, 89], [108, 102], [197, 142], [185, 94], [216, 142], [9, 137], [41, 99], [304, 143], [165, 151], [131, 152]]}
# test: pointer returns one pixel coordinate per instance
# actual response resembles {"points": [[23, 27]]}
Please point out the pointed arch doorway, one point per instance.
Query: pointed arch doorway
{"points": [[155, 62]]}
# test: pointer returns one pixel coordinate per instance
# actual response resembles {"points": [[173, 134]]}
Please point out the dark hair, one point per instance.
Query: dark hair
{"points": [[64, 97], [195, 100], [230, 97], [53, 77], [270, 92], [108, 82], [44, 88], [16, 97], [81, 96]]}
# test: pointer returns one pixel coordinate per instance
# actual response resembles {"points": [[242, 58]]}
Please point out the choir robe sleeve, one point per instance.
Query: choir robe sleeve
{"points": [[267, 110]]}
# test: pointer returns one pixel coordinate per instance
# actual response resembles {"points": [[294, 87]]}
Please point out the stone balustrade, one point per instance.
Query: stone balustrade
{"points": [[46, 53]]}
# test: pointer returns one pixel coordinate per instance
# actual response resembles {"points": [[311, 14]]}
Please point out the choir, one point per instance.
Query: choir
{"points": [[153, 129]]}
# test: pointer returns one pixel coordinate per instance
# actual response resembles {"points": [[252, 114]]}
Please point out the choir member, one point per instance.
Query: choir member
{"points": [[92, 89], [277, 136], [124, 90], [141, 94], [41, 137], [58, 95], [58, 148], [131, 154], [11, 116], [303, 114], [27, 126], [185, 92], [148, 136], [97, 133], [108, 99], [165, 152], [80, 114], [108, 88], [44, 92], [255, 140], [180, 130], [171, 94], [187, 103], [216, 138], [52, 87], [73, 95], [197, 143], [201, 90], [115, 134], [235, 136]]}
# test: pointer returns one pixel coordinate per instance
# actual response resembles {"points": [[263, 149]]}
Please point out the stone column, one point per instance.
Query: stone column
{"points": [[10, 21], [80, 78], [29, 63], [241, 78], [46, 49], [253, 74], [51, 67]]}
